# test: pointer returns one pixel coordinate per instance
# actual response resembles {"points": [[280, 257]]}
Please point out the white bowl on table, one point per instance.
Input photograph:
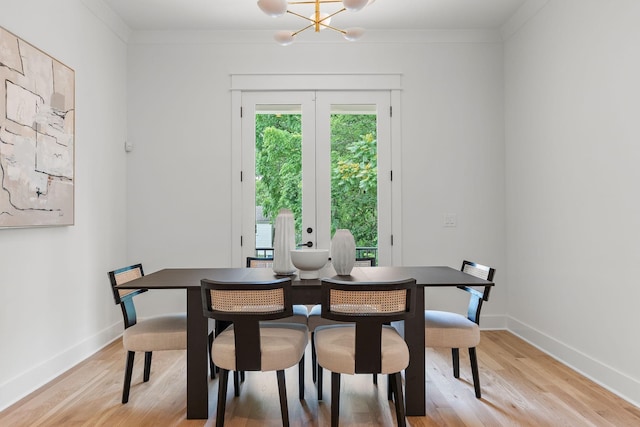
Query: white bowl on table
{"points": [[309, 261]]}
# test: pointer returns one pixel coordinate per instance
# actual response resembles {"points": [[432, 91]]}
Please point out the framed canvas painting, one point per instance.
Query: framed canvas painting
{"points": [[37, 136]]}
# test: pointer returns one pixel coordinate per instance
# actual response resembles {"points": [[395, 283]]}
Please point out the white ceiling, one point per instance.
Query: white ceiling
{"points": [[380, 15]]}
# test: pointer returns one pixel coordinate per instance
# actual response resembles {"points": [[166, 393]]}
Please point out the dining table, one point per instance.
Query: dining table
{"points": [[304, 291]]}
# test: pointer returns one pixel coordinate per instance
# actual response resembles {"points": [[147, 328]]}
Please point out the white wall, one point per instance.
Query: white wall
{"points": [[452, 143], [569, 87], [573, 211], [56, 306]]}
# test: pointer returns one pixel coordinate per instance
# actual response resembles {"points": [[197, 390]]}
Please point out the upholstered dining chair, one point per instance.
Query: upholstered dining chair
{"points": [[164, 332], [315, 319], [443, 329], [252, 342], [300, 312], [364, 342]]}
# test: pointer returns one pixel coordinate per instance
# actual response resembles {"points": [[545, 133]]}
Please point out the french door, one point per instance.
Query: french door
{"points": [[324, 155]]}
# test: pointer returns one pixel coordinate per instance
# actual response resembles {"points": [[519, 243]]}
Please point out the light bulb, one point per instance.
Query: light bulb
{"points": [[284, 37], [273, 8], [354, 5], [353, 34]]}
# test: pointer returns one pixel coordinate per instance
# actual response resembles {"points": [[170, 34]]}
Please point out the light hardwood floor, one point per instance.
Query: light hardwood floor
{"points": [[521, 386]]}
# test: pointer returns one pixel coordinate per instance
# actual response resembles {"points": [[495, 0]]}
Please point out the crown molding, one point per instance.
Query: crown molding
{"points": [[266, 37]]}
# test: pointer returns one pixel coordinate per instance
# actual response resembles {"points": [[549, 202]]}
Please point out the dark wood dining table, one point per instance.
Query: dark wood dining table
{"points": [[305, 291]]}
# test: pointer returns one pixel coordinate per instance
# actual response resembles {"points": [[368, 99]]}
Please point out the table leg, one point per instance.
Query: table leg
{"points": [[415, 386], [197, 363]]}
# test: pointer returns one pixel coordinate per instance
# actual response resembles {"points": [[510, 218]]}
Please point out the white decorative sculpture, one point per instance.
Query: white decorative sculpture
{"points": [[283, 242], [343, 252]]}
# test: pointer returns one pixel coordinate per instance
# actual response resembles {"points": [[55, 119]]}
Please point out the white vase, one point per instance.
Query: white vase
{"points": [[283, 242], [343, 252]]}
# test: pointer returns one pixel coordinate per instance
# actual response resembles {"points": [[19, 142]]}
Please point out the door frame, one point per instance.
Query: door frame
{"points": [[307, 103], [315, 82]]}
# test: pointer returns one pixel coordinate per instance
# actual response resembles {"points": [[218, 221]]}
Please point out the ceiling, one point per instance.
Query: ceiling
{"points": [[157, 15]]}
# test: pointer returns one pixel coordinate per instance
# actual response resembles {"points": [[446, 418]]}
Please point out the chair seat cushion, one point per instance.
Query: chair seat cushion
{"points": [[282, 345], [449, 330], [335, 349], [315, 319], [166, 332], [300, 315]]}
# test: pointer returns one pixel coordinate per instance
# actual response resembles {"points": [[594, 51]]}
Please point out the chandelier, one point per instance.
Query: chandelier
{"points": [[318, 21]]}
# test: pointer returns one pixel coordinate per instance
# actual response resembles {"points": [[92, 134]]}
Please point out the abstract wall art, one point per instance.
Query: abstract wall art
{"points": [[37, 136]]}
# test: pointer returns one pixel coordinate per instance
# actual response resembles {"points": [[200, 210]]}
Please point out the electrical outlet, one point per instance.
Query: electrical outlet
{"points": [[450, 220]]}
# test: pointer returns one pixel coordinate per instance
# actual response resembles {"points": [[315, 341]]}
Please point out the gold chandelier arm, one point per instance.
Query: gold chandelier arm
{"points": [[305, 28], [324, 25], [302, 16], [313, 20], [333, 14], [333, 28], [316, 21], [319, 21]]}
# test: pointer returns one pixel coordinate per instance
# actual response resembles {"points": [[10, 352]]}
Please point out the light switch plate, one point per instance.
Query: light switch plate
{"points": [[450, 220]]}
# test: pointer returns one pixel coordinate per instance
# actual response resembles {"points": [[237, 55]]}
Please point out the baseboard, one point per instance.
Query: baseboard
{"points": [[29, 381], [613, 380], [493, 322]]}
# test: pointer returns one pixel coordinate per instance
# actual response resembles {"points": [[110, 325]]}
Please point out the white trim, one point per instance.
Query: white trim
{"points": [[396, 184], [617, 382], [315, 82], [265, 37], [29, 381], [493, 322], [236, 184]]}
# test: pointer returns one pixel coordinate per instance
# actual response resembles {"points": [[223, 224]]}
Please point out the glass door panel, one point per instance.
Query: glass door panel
{"points": [[326, 157], [353, 128], [354, 175], [278, 170], [277, 154]]}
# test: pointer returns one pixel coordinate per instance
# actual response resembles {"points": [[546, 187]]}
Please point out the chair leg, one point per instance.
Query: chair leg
{"points": [[389, 388], [212, 366], [396, 385], [474, 371], [222, 397], [335, 399], [301, 378], [314, 361], [282, 390], [128, 371], [375, 379], [319, 382], [455, 353], [236, 383], [147, 365]]}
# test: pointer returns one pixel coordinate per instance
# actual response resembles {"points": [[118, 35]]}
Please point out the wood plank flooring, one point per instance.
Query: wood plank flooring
{"points": [[521, 386]]}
